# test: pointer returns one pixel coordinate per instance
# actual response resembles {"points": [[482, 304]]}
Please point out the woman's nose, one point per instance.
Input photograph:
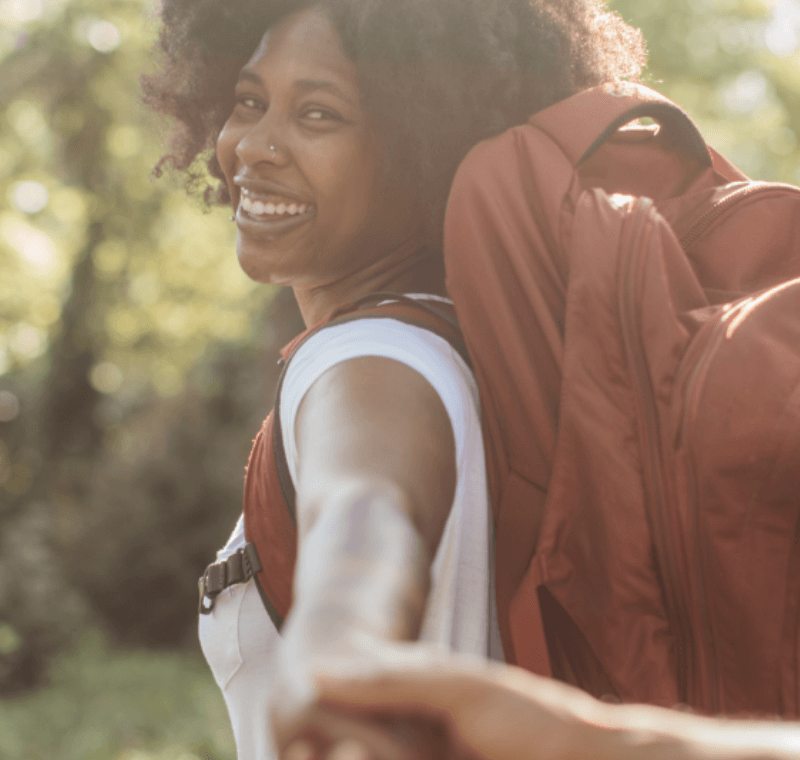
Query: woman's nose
{"points": [[263, 143]]}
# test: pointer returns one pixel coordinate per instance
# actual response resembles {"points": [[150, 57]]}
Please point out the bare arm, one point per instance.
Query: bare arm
{"points": [[375, 483], [376, 423], [499, 712]]}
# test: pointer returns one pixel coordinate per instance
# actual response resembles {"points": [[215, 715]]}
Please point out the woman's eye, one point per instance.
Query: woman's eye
{"points": [[320, 114], [248, 102]]}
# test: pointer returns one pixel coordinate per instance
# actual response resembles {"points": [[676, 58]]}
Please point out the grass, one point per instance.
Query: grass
{"points": [[102, 704]]}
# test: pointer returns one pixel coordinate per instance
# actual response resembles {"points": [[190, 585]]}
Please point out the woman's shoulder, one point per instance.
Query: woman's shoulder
{"points": [[416, 346]]}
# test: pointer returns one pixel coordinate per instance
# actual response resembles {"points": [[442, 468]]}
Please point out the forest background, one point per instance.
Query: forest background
{"points": [[137, 361]]}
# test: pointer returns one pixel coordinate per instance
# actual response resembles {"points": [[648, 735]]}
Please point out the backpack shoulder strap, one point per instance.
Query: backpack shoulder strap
{"points": [[269, 500], [582, 123]]}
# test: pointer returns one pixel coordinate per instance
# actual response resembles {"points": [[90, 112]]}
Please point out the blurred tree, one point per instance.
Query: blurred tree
{"points": [[113, 287]]}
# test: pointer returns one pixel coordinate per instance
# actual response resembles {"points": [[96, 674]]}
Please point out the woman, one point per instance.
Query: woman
{"points": [[337, 127]]}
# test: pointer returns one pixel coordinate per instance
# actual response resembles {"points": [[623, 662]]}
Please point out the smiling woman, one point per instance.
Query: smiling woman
{"points": [[335, 129]]}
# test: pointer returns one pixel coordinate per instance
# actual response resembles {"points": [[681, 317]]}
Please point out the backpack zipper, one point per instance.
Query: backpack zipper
{"points": [[647, 414], [691, 394], [719, 208]]}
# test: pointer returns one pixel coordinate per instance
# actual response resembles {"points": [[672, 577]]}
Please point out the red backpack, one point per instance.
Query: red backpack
{"points": [[628, 301]]}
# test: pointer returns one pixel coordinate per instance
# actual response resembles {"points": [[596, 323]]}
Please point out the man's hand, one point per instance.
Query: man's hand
{"points": [[500, 712], [486, 710]]}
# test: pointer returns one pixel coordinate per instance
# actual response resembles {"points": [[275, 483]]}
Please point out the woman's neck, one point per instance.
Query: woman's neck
{"points": [[417, 272]]}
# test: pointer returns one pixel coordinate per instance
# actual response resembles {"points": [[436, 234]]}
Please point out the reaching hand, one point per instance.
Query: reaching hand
{"points": [[498, 712], [487, 711]]}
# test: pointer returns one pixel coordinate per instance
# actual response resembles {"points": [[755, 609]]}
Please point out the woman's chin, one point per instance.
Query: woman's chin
{"points": [[257, 266]]}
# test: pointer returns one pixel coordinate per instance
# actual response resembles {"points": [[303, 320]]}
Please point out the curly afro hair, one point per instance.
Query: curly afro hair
{"points": [[437, 75]]}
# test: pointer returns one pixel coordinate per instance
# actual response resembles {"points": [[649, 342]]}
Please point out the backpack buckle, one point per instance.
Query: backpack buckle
{"points": [[206, 601], [213, 580], [241, 566]]}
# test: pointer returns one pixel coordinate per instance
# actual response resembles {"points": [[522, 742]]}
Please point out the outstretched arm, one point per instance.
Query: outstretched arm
{"points": [[500, 712], [375, 483]]}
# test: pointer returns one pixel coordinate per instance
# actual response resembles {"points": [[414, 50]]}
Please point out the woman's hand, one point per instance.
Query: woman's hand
{"points": [[306, 729], [375, 483], [342, 735]]}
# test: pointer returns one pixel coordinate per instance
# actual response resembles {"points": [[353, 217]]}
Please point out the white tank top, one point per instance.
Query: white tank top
{"points": [[239, 639]]}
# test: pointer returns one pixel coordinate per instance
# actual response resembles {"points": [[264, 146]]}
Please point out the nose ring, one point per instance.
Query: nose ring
{"points": [[274, 151]]}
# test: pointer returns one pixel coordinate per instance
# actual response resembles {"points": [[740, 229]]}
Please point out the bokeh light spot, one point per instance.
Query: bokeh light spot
{"points": [[9, 640], [68, 205], [9, 406], [747, 93], [16, 12], [28, 121], [30, 197], [782, 35], [145, 288], [27, 341], [33, 245], [45, 309], [106, 377], [103, 36], [124, 141], [125, 327], [109, 256], [782, 140], [167, 380]]}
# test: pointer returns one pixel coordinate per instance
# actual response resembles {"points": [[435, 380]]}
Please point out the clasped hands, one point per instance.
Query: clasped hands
{"points": [[307, 726], [357, 698]]}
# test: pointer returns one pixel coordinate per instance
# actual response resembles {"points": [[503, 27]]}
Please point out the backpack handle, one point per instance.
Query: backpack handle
{"points": [[584, 122]]}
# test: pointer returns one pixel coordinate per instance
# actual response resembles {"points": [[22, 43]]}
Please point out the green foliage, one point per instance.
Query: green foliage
{"points": [[166, 492], [75, 165], [125, 326], [103, 704]]}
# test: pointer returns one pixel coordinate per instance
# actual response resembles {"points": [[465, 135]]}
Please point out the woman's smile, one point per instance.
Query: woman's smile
{"points": [[265, 211]]}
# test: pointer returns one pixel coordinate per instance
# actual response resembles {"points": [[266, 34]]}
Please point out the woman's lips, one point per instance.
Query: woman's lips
{"points": [[269, 215], [272, 206]]}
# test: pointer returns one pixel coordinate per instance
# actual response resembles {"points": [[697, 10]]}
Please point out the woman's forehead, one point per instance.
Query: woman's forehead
{"points": [[304, 41]]}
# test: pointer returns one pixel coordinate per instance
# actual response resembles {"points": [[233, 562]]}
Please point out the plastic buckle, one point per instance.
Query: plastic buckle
{"points": [[206, 602]]}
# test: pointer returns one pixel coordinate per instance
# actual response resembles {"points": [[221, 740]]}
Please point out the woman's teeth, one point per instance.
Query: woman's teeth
{"points": [[258, 208]]}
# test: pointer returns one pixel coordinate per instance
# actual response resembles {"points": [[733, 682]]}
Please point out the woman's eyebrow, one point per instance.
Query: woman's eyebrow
{"points": [[248, 75], [306, 85], [309, 85]]}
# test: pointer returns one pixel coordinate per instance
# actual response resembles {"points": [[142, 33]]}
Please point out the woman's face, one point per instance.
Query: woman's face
{"points": [[304, 164]]}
